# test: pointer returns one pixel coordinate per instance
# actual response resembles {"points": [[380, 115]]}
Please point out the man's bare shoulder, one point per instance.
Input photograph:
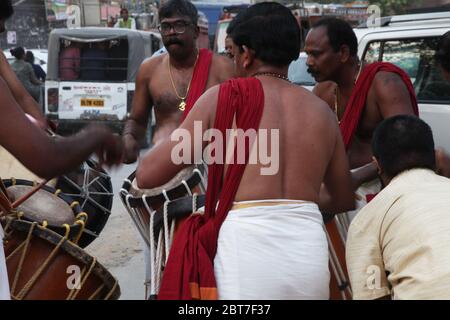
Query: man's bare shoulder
{"points": [[151, 63], [385, 79], [315, 105], [3, 59], [222, 66], [221, 60], [324, 89]]}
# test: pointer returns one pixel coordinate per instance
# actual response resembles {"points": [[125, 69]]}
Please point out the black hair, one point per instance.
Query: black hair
{"points": [[339, 33], [18, 52], [270, 29], [6, 9], [403, 142], [442, 55], [29, 57], [179, 7]]}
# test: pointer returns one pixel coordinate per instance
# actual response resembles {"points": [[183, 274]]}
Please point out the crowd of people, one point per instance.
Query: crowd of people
{"points": [[358, 132]]}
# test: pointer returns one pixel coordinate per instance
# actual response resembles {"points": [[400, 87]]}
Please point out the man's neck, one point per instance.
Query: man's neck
{"points": [[346, 79], [264, 68], [185, 62]]}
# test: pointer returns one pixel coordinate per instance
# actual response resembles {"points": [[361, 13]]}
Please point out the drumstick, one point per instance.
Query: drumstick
{"points": [[3, 188], [5, 204], [29, 194]]}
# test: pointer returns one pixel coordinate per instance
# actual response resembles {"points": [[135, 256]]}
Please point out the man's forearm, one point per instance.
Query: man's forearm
{"points": [[363, 174], [30, 106], [135, 129], [71, 151]]}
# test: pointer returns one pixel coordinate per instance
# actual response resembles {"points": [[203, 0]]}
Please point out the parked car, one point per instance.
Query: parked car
{"points": [[101, 87], [410, 42]]}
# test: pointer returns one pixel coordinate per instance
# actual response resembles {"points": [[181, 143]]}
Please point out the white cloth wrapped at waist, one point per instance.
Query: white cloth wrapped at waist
{"points": [[272, 249]]}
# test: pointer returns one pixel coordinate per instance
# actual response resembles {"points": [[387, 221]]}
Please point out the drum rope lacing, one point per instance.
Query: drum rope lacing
{"points": [[159, 245], [24, 246], [84, 276], [156, 258]]}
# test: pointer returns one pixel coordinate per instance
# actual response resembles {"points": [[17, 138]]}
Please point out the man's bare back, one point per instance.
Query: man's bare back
{"points": [[310, 148], [308, 139]]}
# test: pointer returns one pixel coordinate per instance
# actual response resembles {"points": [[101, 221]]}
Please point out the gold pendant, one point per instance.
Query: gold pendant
{"points": [[182, 105]]}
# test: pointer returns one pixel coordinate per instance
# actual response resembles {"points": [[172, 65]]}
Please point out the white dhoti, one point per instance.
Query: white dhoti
{"points": [[368, 188], [272, 249], [4, 283]]}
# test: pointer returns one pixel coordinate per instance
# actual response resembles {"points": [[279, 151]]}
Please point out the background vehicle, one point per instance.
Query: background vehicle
{"points": [[298, 73], [40, 57], [410, 41], [103, 90]]}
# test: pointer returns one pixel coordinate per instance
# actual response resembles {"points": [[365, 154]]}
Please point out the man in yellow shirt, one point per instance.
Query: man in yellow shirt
{"points": [[398, 245], [125, 21]]}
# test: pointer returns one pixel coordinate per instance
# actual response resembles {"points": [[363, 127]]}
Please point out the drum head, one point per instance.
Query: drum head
{"points": [[42, 206], [184, 174], [92, 188]]}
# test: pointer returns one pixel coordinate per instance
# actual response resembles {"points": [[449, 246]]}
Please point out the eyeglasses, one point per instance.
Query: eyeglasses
{"points": [[178, 26]]}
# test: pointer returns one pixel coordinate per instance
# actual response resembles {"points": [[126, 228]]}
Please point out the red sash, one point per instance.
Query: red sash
{"points": [[357, 102], [189, 273], [199, 79]]}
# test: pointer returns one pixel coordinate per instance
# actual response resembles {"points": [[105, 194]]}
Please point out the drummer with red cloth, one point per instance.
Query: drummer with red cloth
{"points": [[172, 81], [261, 235], [360, 94]]}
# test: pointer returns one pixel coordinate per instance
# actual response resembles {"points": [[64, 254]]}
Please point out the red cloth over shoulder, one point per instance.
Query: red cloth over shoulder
{"points": [[357, 102], [199, 79], [189, 273]]}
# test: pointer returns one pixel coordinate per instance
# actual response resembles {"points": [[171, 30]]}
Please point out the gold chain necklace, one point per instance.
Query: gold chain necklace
{"points": [[336, 93], [272, 74], [182, 105]]}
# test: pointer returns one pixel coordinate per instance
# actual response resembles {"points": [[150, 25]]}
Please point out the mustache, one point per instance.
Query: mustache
{"points": [[173, 41], [311, 71]]}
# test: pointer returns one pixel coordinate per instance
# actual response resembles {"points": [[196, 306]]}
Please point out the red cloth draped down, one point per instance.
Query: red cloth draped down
{"points": [[357, 102], [199, 80], [189, 273]]}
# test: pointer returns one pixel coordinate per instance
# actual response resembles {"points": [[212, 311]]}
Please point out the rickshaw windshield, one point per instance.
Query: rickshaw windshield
{"points": [[98, 54], [101, 60]]}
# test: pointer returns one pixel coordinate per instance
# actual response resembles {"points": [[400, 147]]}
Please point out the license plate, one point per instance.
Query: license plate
{"points": [[92, 103]]}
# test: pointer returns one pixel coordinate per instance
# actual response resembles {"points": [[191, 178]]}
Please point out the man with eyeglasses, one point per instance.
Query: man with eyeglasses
{"points": [[172, 81]]}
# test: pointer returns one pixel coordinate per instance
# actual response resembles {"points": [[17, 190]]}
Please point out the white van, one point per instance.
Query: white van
{"points": [[99, 87], [410, 42]]}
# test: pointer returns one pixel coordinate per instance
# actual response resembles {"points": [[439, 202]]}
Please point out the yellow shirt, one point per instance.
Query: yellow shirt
{"points": [[399, 244]]}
